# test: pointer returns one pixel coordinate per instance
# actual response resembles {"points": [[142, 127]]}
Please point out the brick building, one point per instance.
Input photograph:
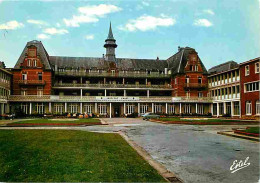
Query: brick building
{"points": [[108, 85]]}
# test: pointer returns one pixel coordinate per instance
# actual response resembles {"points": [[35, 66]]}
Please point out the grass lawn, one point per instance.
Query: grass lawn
{"points": [[253, 130], [58, 121], [70, 156]]}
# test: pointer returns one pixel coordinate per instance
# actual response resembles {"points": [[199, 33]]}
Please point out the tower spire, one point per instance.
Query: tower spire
{"points": [[110, 46], [110, 33]]}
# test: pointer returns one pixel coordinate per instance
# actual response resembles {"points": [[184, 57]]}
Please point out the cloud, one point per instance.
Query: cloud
{"points": [[54, 31], [202, 23], [11, 25], [37, 22], [89, 37], [43, 36], [145, 3], [89, 14], [209, 11], [146, 23]]}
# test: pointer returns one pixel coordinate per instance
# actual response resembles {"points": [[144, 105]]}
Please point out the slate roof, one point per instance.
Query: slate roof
{"points": [[178, 61], [223, 67], [40, 51], [100, 63], [110, 34]]}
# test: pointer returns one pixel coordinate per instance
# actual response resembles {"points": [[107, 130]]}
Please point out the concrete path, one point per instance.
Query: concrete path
{"points": [[193, 153]]}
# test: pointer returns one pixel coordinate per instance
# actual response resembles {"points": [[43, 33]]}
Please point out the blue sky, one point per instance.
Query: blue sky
{"points": [[219, 30]]}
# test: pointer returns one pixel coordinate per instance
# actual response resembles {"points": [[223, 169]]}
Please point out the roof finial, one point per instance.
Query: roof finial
{"points": [[110, 33]]}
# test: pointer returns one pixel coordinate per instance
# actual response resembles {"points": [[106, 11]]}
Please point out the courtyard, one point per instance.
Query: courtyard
{"points": [[194, 153]]}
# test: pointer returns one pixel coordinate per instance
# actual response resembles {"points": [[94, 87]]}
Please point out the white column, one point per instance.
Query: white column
{"points": [[96, 108], [146, 81], [232, 108], [180, 108], [49, 107], [217, 109], [124, 108], [152, 107], [110, 110], [211, 107], [225, 107], [148, 94], [30, 108], [196, 108], [123, 81], [124, 93], [80, 107], [81, 93], [105, 92], [166, 108], [66, 107], [138, 109]]}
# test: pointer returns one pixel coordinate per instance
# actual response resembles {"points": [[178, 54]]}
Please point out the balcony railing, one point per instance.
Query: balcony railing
{"points": [[57, 98], [105, 74], [31, 82], [195, 85], [5, 84], [168, 86]]}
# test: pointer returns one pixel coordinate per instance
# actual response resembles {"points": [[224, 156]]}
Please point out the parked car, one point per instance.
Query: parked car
{"points": [[150, 115]]}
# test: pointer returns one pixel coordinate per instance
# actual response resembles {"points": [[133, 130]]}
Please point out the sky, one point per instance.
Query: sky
{"points": [[219, 30]]}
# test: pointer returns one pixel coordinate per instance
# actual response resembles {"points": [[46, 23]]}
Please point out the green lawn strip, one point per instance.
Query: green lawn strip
{"points": [[253, 130], [42, 121], [70, 156]]}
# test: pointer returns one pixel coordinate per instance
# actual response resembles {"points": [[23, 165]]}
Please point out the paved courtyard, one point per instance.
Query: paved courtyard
{"points": [[193, 153]]}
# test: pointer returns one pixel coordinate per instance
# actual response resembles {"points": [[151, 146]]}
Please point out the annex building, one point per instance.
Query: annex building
{"points": [[115, 87]]}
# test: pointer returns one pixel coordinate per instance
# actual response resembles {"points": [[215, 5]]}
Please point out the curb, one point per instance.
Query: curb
{"points": [[166, 174], [227, 133]]}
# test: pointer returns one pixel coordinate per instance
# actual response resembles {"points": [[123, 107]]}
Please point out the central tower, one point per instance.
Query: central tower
{"points": [[110, 46]]}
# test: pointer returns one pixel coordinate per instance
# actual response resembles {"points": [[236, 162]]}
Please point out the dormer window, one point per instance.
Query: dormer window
{"points": [[35, 63], [29, 64], [196, 68], [24, 76], [199, 80], [191, 68]]}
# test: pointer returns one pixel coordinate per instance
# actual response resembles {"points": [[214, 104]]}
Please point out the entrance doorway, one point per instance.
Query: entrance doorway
{"points": [[117, 111]]}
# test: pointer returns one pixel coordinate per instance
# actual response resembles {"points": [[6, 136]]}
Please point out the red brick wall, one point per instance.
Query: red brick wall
{"points": [[250, 96]]}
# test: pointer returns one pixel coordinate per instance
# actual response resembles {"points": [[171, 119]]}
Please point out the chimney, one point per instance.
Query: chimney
{"points": [[157, 59], [179, 48]]}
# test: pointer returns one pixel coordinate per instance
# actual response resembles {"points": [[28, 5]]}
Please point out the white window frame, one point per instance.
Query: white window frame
{"points": [[257, 67], [171, 109], [24, 76], [23, 92], [39, 91], [248, 108], [102, 109], [143, 108], [24, 107], [200, 109], [200, 94], [130, 108], [40, 108], [29, 63], [157, 108], [88, 108], [257, 107], [35, 63], [187, 108], [58, 108], [196, 67], [73, 108], [247, 70], [188, 94]]}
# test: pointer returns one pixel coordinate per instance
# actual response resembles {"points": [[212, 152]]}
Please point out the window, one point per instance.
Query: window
{"points": [[35, 63], [102, 109], [40, 76], [251, 87], [58, 108], [199, 80], [24, 76], [187, 108], [200, 94], [24, 108], [40, 91], [236, 108], [196, 68], [187, 94], [257, 69], [130, 108], [248, 108], [157, 108], [88, 108], [247, 72], [29, 63], [113, 72], [175, 80], [221, 108], [171, 109], [143, 108], [191, 68], [23, 92], [257, 107], [200, 109], [40, 108], [187, 79], [32, 52], [73, 108]]}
